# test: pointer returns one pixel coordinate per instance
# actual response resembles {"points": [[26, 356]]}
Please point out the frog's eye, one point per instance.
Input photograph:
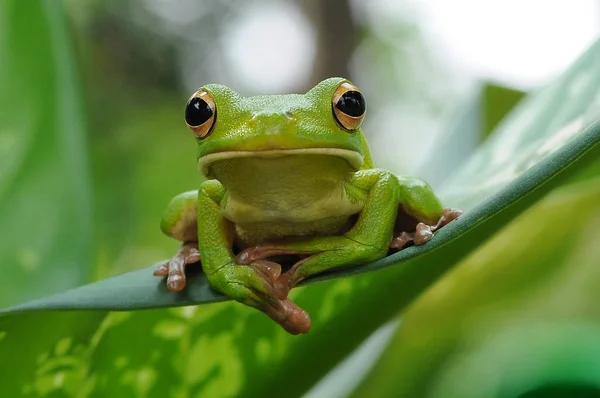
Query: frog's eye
{"points": [[349, 106], [200, 113]]}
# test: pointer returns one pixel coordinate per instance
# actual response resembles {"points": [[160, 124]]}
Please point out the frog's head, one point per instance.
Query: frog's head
{"points": [[324, 121]]}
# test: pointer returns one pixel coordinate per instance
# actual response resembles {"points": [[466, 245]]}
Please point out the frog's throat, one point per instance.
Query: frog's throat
{"points": [[354, 158]]}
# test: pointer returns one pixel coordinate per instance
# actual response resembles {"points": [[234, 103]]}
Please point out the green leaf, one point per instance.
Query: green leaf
{"points": [[44, 192], [497, 103], [46, 354], [518, 315]]}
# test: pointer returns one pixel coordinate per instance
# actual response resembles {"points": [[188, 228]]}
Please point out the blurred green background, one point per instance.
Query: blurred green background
{"points": [[93, 146]]}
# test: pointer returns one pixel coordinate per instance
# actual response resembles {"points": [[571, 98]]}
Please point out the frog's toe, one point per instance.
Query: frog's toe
{"points": [[400, 240], [291, 317], [263, 277], [282, 310], [162, 270], [423, 234], [449, 216], [268, 269], [175, 269]]}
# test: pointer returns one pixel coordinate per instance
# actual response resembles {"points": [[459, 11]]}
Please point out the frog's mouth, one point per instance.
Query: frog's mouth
{"points": [[354, 159]]}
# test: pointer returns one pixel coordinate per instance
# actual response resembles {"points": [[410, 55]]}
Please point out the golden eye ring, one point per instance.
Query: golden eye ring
{"points": [[201, 113], [349, 106]]}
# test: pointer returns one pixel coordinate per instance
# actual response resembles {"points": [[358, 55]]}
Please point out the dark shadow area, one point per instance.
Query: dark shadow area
{"points": [[563, 391]]}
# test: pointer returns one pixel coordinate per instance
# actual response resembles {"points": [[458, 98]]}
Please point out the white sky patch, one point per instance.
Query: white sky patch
{"points": [[270, 46], [522, 43]]}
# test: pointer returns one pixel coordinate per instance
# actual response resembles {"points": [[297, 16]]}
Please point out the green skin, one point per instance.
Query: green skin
{"points": [[284, 178]]}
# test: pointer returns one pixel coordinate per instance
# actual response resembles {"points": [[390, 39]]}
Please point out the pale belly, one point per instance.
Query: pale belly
{"points": [[333, 214], [268, 232], [286, 197]]}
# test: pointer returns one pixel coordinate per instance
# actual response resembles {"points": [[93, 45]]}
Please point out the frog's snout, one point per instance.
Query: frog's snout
{"points": [[273, 124]]}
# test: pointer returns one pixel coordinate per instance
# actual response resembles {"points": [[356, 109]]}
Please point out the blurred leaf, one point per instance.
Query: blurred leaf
{"points": [[127, 195], [461, 137], [230, 350], [518, 315], [47, 354], [497, 103], [44, 192], [550, 119], [474, 119]]}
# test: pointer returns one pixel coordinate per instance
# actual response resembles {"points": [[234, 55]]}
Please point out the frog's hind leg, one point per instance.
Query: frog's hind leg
{"points": [[420, 213], [422, 231]]}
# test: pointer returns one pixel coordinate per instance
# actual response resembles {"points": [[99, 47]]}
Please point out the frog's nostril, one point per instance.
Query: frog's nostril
{"points": [[289, 115]]}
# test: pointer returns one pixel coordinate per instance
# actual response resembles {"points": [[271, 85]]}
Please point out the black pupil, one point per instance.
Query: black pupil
{"points": [[197, 112], [352, 103]]}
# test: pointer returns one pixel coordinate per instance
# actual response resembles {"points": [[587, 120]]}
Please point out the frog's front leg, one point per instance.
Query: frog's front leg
{"points": [[174, 269], [251, 284], [179, 222], [367, 240]]}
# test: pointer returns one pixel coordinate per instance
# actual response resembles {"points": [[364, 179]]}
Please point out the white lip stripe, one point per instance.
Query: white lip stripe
{"points": [[354, 158]]}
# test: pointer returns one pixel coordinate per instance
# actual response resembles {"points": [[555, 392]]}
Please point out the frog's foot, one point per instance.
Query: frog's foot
{"points": [[282, 283], [270, 272], [175, 268], [289, 279], [254, 285], [423, 232], [400, 240], [276, 304]]}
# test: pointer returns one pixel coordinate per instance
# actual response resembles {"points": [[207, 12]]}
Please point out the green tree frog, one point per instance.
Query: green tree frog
{"points": [[289, 175]]}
